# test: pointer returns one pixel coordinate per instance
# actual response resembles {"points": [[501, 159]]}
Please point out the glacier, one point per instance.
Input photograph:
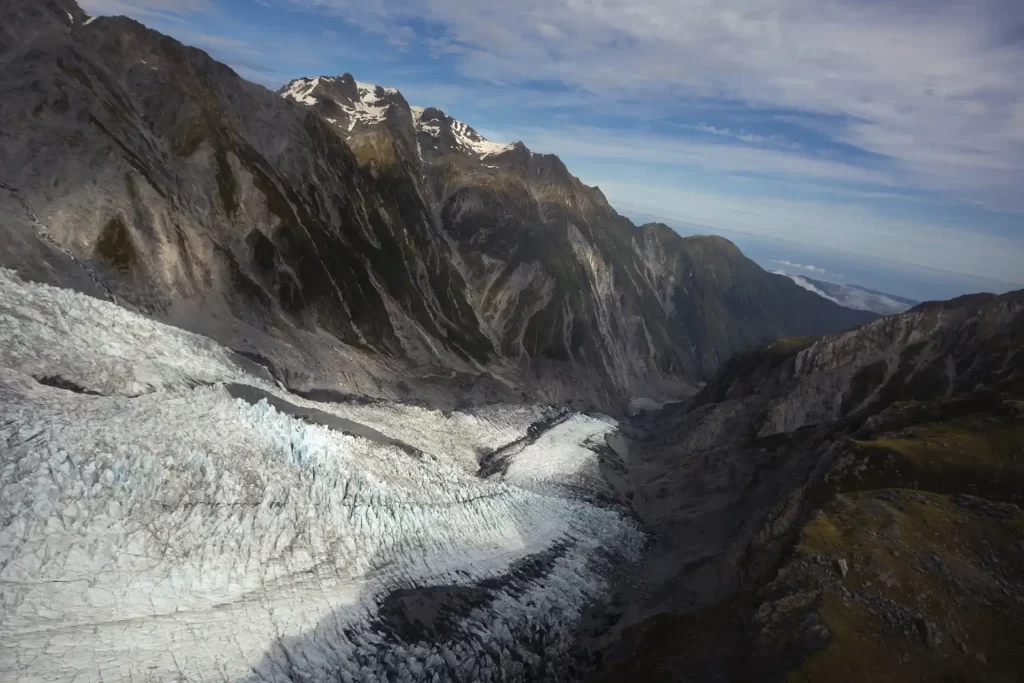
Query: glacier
{"points": [[155, 528]]}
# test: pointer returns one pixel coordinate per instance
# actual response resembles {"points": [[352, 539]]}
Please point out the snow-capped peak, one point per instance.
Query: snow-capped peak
{"points": [[364, 103], [367, 103], [368, 89], [465, 137], [300, 89]]}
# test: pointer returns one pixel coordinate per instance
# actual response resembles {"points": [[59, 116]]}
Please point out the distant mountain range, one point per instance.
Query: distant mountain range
{"points": [[854, 296], [347, 240]]}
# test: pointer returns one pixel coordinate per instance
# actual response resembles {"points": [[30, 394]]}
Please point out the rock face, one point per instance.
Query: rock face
{"points": [[194, 195], [557, 276], [821, 502], [346, 239]]}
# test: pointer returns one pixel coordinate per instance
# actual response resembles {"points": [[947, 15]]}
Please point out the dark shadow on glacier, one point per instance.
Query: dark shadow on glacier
{"points": [[450, 627], [253, 395], [479, 631]]}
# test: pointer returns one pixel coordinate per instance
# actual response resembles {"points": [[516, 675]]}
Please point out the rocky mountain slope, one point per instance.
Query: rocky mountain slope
{"points": [[840, 507], [179, 506], [345, 239], [557, 276], [158, 178]]}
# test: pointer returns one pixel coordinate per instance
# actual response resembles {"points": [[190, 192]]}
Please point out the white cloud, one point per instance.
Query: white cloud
{"points": [[144, 8], [851, 228], [725, 132], [813, 269], [934, 85], [726, 157]]}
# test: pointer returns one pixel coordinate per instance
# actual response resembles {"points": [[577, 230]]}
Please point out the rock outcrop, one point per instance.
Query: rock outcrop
{"points": [[893, 451]]}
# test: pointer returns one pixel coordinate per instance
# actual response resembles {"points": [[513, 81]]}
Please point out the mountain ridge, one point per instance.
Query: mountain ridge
{"points": [[822, 501], [347, 243], [479, 184]]}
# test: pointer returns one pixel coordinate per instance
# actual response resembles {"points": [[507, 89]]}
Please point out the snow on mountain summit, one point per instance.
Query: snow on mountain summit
{"points": [[434, 121], [362, 103]]}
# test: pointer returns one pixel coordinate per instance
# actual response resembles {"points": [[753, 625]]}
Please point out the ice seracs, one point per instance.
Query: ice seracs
{"points": [[159, 529]]}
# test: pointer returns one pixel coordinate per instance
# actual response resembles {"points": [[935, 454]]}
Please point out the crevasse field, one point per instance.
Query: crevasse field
{"points": [[155, 528]]}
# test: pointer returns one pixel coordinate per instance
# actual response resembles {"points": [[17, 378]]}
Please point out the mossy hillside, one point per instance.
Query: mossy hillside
{"points": [[924, 596], [115, 246], [374, 150], [979, 454], [978, 440]]}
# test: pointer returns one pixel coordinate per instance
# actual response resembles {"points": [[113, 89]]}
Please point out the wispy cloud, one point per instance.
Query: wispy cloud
{"points": [[725, 157], [145, 8], [727, 133], [849, 227], [935, 86], [813, 269]]}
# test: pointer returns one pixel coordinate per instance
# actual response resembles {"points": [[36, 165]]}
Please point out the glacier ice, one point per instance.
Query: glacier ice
{"points": [[155, 528]]}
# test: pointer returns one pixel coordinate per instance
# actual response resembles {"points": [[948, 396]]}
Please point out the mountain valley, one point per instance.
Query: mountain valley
{"points": [[318, 385]]}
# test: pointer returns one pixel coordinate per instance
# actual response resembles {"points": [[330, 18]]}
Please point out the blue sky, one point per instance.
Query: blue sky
{"points": [[888, 130]]}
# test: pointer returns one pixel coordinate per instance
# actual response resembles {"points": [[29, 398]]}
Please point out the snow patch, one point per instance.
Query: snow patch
{"points": [[369, 107], [301, 90], [465, 137], [476, 143], [565, 454]]}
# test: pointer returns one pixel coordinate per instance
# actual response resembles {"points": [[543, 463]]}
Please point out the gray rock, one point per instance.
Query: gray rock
{"points": [[843, 567]]}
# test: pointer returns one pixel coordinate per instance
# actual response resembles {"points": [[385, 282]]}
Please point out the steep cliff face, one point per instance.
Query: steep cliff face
{"points": [[724, 303], [558, 274], [562, 283], [820, 503], [193, 194]]}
